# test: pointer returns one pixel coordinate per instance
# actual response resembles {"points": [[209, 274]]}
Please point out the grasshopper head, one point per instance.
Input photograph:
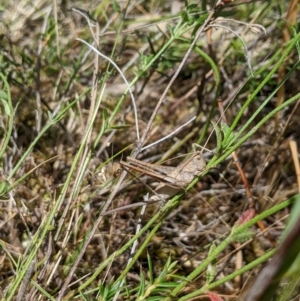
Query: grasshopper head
{"points": [[197, 164]]}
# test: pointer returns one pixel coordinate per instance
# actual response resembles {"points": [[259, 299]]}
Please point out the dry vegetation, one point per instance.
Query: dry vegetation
{"points": [[67, 120]]}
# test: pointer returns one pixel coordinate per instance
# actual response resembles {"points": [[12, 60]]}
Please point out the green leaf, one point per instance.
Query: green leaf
{"points": [[51, 228], [211, 270], [83, 296], [50, 116], [241, 236], [7, 108], [4, 188], [116, 7], [3, 95], [219, 138], [150, 265], [192, 8], [204, 5], [298, 42], [229, 137], [227, 13], [185, 17], [198, 23], [119, 127], [142, 286]]}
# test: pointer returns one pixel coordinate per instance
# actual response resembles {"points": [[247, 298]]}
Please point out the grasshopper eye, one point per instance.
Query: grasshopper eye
{"points": [[117, 173]]}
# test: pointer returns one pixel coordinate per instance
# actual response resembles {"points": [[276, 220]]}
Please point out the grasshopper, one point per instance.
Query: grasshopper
{"points": [[172, 179]]}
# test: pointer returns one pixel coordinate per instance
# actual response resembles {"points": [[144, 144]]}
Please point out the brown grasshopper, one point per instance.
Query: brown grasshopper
{"points": [[172, 179]]}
